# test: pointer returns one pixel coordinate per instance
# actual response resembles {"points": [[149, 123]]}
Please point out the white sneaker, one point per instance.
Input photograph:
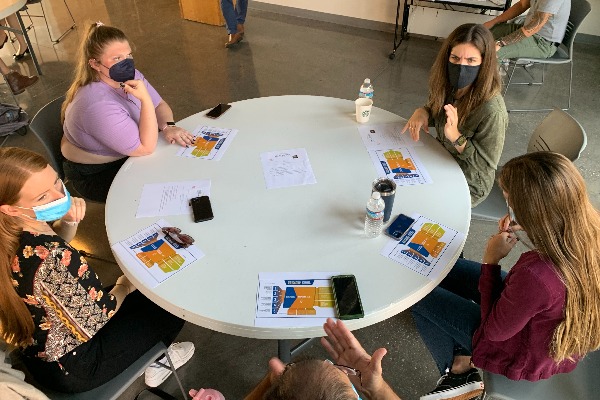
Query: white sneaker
{"points": [[179, 353]]}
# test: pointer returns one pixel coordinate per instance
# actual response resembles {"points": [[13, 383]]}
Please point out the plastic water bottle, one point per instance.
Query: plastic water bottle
{"points": [[374, 218], [366, 89]]}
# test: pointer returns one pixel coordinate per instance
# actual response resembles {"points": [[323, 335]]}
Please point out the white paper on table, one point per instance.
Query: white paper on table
{"points": [[285, 298], [153, 257], [170, 198], [377, 137], [210, 143], [287, 168], [400, 164], [426, 247]]}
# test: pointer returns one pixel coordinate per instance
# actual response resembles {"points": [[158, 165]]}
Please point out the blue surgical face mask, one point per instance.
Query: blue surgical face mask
{"points": [[357, 395], [122, 71], [52, 211]]}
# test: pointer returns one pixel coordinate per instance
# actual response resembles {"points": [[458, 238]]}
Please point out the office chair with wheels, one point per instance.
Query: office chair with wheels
{"points": [[112, 389], [582, 383], [558, 132], [564, 54], [30, 16]]}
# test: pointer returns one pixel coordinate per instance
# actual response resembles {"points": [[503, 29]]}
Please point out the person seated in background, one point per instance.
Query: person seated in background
{"points": [[110, 112], [13, 22], [465, 106], [74, 333], [538, 37], [542, 317], [354, 371]]}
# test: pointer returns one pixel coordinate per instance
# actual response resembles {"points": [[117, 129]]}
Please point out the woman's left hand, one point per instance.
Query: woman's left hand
{"points": [[76, 212], [499, 246], [175, 134], [451, 128]]}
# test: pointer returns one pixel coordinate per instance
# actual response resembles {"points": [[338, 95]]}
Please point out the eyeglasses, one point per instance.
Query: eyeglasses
{"points": [[181, 239], [347, 370]]}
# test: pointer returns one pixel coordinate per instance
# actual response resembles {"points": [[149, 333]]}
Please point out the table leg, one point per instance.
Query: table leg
{"points": [[284, 350], [29, 46]]}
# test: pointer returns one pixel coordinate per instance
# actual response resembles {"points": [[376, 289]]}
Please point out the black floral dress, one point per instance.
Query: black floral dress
{"points": [[64, 295]]}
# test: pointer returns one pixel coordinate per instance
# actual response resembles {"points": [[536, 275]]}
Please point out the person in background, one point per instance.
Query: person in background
{"points": [[16, 82], [542, 317], [538, 36], [110, 112], [465, 106], [354, 371], [74, 333], [234, 20]]}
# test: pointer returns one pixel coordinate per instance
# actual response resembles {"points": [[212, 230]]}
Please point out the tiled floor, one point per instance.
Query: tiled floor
{"points": [[282, 55]]}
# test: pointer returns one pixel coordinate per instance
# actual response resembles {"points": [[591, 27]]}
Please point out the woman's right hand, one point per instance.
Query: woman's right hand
{"points": [[137, 89], [498, 247], [419, 119]]}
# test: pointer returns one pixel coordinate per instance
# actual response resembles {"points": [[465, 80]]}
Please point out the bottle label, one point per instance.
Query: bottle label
{"points": [[374, 215], [368, 95]]}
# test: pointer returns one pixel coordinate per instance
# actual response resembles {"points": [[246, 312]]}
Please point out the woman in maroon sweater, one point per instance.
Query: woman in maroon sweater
{"points": [[543, 316]]}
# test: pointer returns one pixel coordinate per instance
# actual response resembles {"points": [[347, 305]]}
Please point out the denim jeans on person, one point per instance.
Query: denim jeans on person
{"points": [[234, 15], [448, 316]]}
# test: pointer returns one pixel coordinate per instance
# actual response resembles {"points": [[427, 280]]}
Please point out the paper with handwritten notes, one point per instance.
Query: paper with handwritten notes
{"points": [[286, 168]]}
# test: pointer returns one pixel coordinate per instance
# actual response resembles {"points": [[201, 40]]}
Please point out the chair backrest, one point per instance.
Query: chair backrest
{"points": [[582, 383], [561, 133], [579, 10], [48, 129]]}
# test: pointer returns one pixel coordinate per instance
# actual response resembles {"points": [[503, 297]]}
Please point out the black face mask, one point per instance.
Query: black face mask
{"points": [[462, 75], [122, 71]]}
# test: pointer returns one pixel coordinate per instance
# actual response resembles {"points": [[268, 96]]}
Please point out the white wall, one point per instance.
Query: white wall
{"points": [[385, 10]]}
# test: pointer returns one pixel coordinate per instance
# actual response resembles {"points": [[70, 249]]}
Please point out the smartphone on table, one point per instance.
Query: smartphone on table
{"points": [[201, 209], [346, 297], [218, 111], [399, 226]]}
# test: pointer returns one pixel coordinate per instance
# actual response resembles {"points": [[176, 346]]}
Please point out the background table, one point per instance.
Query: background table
{"points": [[8, 7], [304, 228]]}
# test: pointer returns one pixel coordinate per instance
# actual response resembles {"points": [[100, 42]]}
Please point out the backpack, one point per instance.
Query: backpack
{"points": [[12, 119]]}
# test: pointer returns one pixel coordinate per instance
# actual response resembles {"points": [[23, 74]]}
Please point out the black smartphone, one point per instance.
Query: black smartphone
{"points": [[346, 296], [201, 209], [399, 226], [218, 111]]}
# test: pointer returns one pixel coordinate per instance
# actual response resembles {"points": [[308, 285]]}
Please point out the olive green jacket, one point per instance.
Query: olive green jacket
{"points": [[484, 130]]}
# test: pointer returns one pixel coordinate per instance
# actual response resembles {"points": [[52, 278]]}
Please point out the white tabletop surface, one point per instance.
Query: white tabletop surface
{"points": [[305, 228], [8, 7]]}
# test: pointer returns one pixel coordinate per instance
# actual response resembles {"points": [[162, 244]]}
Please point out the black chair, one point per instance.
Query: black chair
{"points": [[46, 126], [112, 389]]}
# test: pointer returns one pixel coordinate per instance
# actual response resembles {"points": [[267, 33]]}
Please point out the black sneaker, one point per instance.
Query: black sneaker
{"points": [[451, 386]]}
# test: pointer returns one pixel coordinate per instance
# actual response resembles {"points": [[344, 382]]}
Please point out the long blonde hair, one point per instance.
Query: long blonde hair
{"points": [[550, 201], [95, 39], [486, 85], [16, 166]]}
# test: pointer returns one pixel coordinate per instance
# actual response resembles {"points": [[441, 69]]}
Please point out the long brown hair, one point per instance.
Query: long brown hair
{"points": [[486, 85], [550, 201], [16, 166], [94, 40]]}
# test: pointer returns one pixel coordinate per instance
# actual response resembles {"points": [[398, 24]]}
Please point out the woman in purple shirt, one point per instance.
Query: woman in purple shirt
{"points": [[110, 112], [542, 317]]}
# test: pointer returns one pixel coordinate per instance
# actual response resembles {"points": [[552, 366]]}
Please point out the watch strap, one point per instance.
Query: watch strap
{"points": [[460, 141], [167, 124]]}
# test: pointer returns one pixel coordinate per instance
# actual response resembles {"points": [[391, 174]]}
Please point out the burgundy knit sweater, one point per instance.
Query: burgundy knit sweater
{"points": [[518, 318]]}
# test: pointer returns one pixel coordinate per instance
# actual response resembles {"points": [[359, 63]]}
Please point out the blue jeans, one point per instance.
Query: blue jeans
{"points": [[234, 16], [448, 316]]}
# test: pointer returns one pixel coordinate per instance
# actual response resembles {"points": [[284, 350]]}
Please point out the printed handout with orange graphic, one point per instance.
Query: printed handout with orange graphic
{"points": [[210, 143], [400, 164], [155, 256], [285, 298], [426, 248]]}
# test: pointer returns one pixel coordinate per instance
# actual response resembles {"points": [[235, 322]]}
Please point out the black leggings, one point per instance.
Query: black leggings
{"points": [[134, 329], [92, 181]]}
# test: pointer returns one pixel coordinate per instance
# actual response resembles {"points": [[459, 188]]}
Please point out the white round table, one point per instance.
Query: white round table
{"points": [[316, 227]]}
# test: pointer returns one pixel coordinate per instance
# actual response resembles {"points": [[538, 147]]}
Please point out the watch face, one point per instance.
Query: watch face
{"points": [[171, 123], [460, 141]]}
